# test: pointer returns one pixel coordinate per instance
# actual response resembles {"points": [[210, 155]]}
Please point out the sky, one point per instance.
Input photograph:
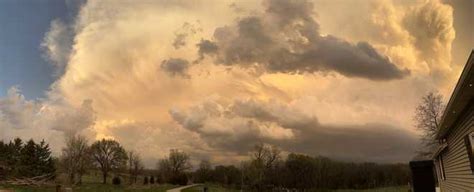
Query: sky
{"points": [[213, 78], [24, 24]]}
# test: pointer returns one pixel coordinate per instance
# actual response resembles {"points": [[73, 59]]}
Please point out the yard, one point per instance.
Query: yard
{"points": [[91, 183], [215, 188], [94, 187], [91, 187]]}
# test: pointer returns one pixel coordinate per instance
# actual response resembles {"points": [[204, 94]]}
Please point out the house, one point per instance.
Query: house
{"points": [[454, 159]]}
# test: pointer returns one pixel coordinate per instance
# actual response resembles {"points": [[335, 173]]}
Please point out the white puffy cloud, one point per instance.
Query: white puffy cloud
{"points": [[431, 27], [17, 112], [41, 119], [57, 44]]}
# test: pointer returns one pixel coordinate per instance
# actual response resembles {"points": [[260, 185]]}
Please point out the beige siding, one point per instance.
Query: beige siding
{"points": [[459, 176]]}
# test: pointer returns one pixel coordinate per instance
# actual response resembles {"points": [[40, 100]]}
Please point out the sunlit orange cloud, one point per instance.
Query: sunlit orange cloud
{"points": [[118, 50]]}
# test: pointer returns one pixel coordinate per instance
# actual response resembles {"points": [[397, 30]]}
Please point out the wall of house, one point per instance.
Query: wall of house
{"points": [[457, 168]]}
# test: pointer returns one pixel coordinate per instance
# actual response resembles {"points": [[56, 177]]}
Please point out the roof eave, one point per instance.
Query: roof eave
{"points": [[453, 109]]}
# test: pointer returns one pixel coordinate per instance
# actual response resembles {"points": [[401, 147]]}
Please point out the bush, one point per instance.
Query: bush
{"points": [[179, 179], [159, 179], [145, 181], [116, 181]]}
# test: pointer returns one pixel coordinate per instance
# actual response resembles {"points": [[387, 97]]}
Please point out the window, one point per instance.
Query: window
{"points": [[441, 167], [469, 140]]}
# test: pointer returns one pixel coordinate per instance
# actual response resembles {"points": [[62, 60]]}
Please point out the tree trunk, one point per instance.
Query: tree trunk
{"points": [[71, 177], [104, 174], [80, 179]]}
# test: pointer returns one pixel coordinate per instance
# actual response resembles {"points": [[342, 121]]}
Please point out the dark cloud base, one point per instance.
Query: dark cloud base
{"points": [[250, 119], [175, 67], [286, 38]]}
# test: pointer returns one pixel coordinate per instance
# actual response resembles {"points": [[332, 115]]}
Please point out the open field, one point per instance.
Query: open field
{"points": [[92, 183], [215, 188], [211, 188], [89, 187], [95, 187], [385, 189]]}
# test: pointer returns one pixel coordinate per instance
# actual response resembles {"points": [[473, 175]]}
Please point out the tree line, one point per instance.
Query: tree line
{"points": [[268, 171], [30, 159], [265, 170], [26, 159]]}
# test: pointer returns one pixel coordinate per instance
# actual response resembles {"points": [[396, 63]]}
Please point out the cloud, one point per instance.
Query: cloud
{"points": [[206, 47], [175, 67], [211, 117], [57, 44], [286, 38], [16, 112], [68, 119], [431, 26], [243, 123], [322, 86], [48, 119], [376, 142], [416, 35], [152, 140], [182, 34]]}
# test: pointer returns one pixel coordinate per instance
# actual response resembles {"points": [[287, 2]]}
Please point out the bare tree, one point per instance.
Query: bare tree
{"points": [[164, 169], [263, 160], [135, 166], [109, 155], [205, 165], [267, 155], [179, 161], [76, 158], [203, 174], [428, 118], [174, 165]]}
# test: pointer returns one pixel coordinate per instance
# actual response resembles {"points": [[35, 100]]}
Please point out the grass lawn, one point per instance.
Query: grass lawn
{"points": [[92, 182], [215, 188], [386, 189], [211, 188], [93, 187]]}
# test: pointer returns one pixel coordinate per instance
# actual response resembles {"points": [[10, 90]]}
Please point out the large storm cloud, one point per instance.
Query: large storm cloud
{"points": [[212, 81], [286, 38], [243, 123]]}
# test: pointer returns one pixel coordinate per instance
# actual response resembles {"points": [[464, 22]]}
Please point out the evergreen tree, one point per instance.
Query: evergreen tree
{"points": [[3, 163], [45, 162], [18, 159], [36, 160], [28, 157], [13, 156]]}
